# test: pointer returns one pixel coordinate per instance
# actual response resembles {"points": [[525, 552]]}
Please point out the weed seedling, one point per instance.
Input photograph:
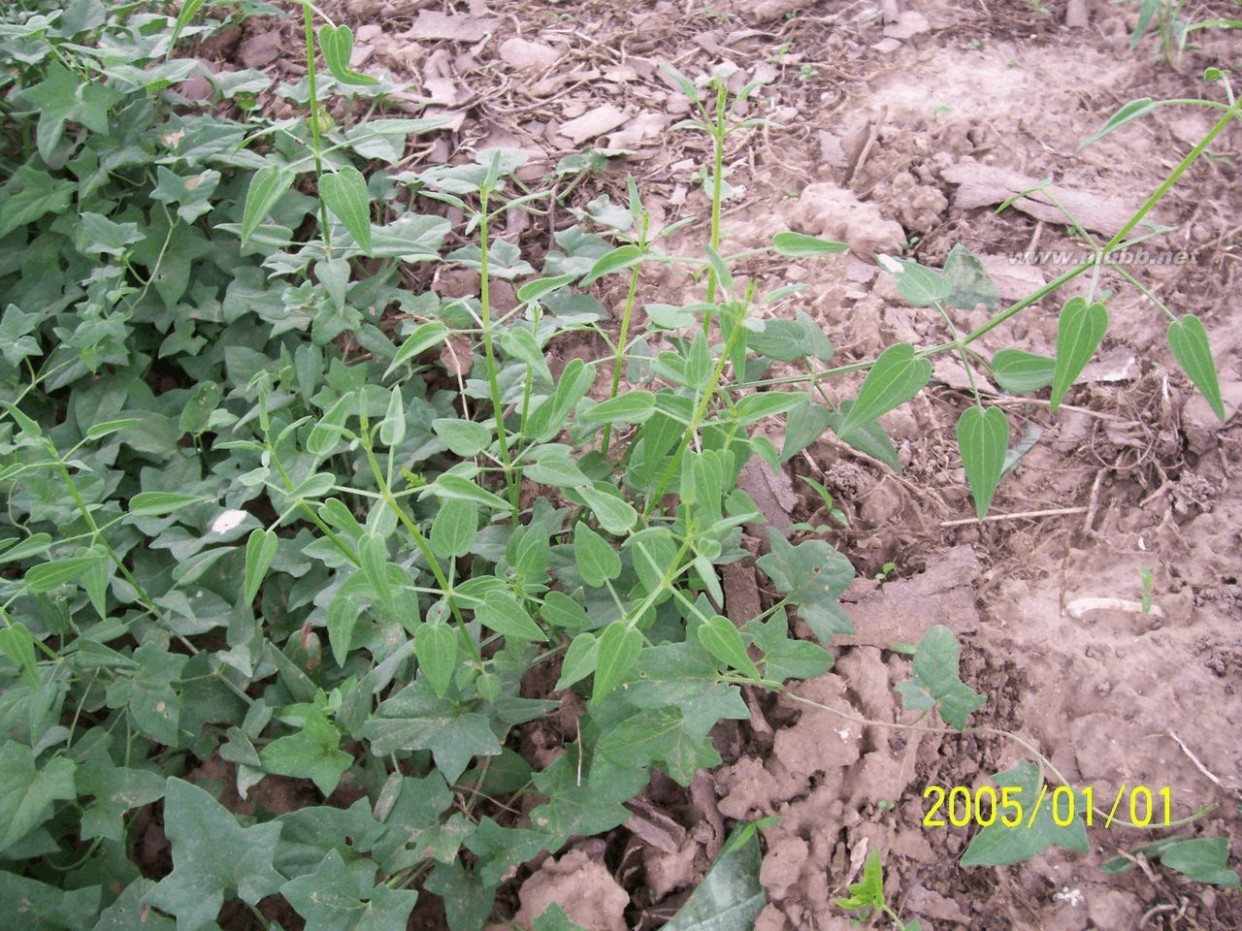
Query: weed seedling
{"points": [[866, 899]]}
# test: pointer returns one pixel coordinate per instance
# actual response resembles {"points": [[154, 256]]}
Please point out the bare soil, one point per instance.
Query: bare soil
{"points": [[903, 124]]}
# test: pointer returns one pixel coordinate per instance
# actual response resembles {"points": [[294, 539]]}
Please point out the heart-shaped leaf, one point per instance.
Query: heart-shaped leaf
{"points": [[1079, 332], [1021, 372], [337, 45], [345, 193], [1189, 342], [983, 438], [897, 376], [267, 186]]}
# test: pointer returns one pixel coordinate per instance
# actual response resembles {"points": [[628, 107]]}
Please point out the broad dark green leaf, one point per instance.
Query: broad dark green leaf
{"points": [[337, 897], [1189, 342], [236, 861], [897, 376], [1000, 845], [1202, 859], [27, 791], [983, 440], [1079, 331]]}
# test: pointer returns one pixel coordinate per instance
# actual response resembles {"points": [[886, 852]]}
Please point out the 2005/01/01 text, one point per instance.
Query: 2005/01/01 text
{"points": [[961, 806]]}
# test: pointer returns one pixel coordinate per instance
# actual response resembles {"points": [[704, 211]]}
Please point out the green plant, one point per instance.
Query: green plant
{"points": [[867, 897], [267, 508], [886, 572], [1149, 583], [1169, 20]]}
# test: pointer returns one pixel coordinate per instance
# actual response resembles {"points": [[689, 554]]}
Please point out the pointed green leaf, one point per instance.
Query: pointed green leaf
{"points": [[631, 407], [723, 641], [435, 645], [342, 618], [373, 557], [157, 503], [897, 376], [1079, 331], [598, 561], [49, 575], [450, 486], [799, 245], [618, 259], [260, 551], [619, 646], [329, 430], [540, 288], [17, 643], [1202, 859], [455, 528], [1134, 110], [345, 193], [267, 186], [1020, 372], [392, 427], [560, 610], [501, 612], [983, 439], [1189, 342], [465, 438], [425, 336], [580, 659]]}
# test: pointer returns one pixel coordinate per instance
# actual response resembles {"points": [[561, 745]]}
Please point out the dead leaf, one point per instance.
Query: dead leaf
{"points": [[522, 54], [772, 492], [908, 25], [259, 50], [592, 123], [985, 185], [434, 25]]}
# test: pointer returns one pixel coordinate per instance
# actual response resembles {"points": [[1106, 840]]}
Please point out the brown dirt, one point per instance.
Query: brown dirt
{"points": [[902, 125]]}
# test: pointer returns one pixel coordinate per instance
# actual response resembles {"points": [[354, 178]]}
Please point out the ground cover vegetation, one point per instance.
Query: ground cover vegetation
{"points": [[267, 504]]}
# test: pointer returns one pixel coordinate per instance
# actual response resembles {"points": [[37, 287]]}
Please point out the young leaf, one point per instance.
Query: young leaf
{"points": [[435, 645], [897, 376], [313, 753], [501, 612], [631, 407], [1189, 342], [1134, 110], [619, 646], [937, 662], [722, 641], [260, 551], [618, 259], [1021, 372], [598, 561], [983, 439], [345, 193], [799, 245], [392, 428], [455, 527], [267, 186], [337, 45], [615, 514], [158, 503], [424, 337], [1079, 331]]}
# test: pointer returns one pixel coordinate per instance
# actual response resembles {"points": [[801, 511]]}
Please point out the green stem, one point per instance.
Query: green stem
{"points": [[316, 140], [623, 336]]}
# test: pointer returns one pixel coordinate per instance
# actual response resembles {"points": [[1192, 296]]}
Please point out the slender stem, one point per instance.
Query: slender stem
{"points": [[623, 337], [316, 140]]}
